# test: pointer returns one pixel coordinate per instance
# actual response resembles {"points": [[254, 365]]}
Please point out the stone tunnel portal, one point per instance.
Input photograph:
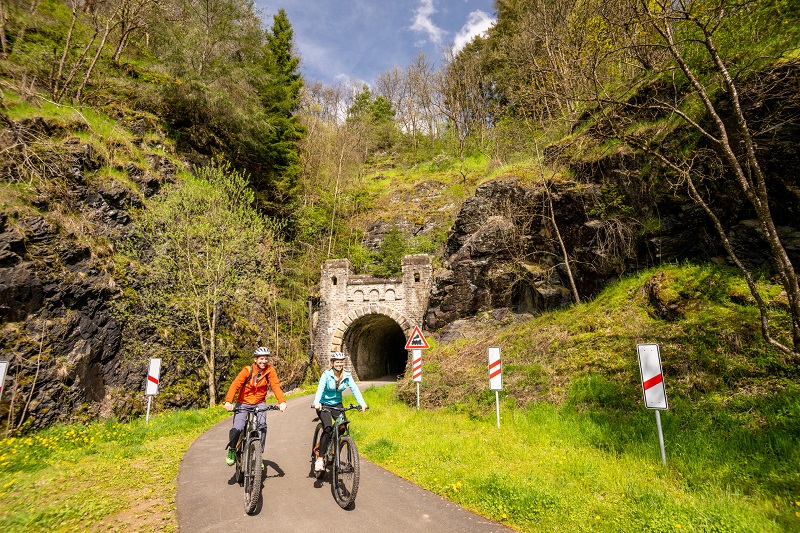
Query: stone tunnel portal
{"points": [[376, 345]]}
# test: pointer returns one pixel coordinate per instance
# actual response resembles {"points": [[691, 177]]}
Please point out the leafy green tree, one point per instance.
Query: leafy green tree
{"points": [[374, 114], [204, 249]]}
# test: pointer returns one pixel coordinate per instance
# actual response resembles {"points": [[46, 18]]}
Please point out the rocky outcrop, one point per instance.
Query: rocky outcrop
{"points": [[58, 328], [621, 212], [504, 251]]}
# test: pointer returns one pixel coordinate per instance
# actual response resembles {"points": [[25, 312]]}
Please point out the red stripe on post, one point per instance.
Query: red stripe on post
{"points": [[494, 364], [496, 373], [151, 378], [652, 382]]}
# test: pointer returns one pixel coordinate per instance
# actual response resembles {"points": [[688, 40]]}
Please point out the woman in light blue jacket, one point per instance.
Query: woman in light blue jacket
{"points": [[329, 393]]}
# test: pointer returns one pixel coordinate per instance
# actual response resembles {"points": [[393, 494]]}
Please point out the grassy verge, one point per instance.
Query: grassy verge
{"points": [[107, 476], [101, 477], [550, 468]]}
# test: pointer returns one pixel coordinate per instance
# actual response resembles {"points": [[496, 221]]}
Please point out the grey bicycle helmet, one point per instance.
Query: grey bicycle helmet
{"points": [[261, 351], [338, 356]]}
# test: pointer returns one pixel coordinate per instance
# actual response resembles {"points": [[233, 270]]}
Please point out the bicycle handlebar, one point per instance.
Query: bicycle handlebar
{"points": [[271, 407], [332, 408]]}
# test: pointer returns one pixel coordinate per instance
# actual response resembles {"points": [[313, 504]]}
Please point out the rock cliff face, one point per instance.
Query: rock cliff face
{"points": [[506, 249], [57, 326]]}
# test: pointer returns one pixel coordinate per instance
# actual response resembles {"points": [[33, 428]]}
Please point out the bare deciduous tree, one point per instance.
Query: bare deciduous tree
{"points": [[688, 32]]}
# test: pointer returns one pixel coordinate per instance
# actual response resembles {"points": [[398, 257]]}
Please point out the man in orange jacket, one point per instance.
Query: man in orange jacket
{"points": [[252, 383]]}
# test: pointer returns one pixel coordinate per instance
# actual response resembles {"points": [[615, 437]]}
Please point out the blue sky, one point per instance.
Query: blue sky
{"points": [[359, 39]]}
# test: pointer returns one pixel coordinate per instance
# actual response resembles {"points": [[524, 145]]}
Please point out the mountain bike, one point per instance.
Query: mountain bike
{"points": [[341, 457], [248, 458]]}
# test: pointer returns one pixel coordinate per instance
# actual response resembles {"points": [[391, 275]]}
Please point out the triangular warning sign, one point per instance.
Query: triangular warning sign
{"points": [[416, 340]]}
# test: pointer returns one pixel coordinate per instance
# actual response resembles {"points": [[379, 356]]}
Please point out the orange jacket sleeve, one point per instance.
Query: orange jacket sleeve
{"points": [[237, 384]]}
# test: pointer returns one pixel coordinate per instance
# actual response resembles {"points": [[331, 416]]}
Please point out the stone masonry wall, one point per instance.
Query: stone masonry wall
{"points": [[346, 297]]}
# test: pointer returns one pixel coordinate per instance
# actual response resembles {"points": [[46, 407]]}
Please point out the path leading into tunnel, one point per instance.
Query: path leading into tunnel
{"points": [[208, 500]]}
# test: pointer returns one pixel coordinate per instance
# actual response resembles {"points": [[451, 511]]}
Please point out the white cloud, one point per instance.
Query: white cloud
{"points": [[478, 23], [423, 22]]}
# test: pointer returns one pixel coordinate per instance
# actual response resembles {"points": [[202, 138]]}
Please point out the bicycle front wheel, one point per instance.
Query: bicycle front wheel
{"points": [[252, 476], [345, 473]]}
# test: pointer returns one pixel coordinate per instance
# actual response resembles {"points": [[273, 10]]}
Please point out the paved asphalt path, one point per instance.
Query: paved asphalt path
{"points": [[208, 500]]}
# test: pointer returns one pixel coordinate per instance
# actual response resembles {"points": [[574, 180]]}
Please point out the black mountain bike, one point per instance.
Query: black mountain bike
{"points": [[341, 457], [248, 458]]}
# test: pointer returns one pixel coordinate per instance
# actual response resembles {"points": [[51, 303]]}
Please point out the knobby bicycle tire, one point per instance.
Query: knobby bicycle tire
{"points": [[346, 473], [252, 477], [314, 444], [239, 475]]}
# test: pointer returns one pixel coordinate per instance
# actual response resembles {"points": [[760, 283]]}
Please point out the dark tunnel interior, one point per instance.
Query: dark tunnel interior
{"points": [[376, 344]]}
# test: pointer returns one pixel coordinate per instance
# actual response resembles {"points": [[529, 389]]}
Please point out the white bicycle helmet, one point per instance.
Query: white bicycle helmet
{"points": [[260, 351], [338, 356]]}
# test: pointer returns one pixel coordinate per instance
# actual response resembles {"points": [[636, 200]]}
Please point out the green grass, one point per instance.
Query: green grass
{"points": [[577, 450], [111, 476], [551, 468]]}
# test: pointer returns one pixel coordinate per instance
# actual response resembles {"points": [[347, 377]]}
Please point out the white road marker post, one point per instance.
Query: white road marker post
{"points": [[495, 377], [653, 388], [3, 369], [416, 369], [151, 384]]}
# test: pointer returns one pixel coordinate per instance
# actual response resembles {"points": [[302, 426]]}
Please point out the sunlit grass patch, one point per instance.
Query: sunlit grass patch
{"points": [[65, 477], [550, 468]]}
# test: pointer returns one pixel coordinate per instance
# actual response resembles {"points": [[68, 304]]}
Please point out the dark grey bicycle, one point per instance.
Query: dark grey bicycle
{"points": [[248, 458], [341, 457]]}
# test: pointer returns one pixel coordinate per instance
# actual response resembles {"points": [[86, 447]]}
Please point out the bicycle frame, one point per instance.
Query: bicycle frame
{"points": [[341, 455], [341, 428]]}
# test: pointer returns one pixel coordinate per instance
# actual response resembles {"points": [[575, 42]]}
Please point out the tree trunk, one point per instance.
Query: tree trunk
{"points": [[750, 179]]}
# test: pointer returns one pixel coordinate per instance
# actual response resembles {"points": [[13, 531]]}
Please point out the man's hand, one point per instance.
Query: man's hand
{"points": [[363, 407], [228, 406], [282, 406], [316, 406]]}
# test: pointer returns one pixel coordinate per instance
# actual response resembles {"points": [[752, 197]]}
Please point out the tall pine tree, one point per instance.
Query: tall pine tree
{"points": [[277, 182]]}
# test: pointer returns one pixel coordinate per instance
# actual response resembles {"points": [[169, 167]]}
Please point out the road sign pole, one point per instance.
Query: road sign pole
{"points": [[147, 416], [497, 405], [416, 368], [661, 437]]}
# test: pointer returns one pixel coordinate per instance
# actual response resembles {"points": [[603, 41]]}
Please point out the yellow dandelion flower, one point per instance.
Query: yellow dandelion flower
{"points": [[677, 526], [597, 517]]}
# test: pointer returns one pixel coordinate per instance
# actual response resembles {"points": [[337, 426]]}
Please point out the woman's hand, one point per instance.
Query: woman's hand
{"points": [[282, 406], [363, 407], [228, 406]]}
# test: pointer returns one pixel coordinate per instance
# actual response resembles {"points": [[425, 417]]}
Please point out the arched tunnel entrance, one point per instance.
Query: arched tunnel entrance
{"points": [[376, 345]]}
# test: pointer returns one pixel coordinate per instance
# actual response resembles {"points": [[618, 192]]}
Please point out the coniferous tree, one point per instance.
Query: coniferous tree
{"points": [[277, 184]]}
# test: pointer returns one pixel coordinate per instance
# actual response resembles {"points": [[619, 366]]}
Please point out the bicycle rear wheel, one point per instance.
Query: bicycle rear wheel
{"points": [[314, 444], [345, 473], [252, 475]]}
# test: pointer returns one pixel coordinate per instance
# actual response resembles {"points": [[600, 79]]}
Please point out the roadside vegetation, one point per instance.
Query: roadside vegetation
{"points": [[577, 450], [567, 468], [104, 476]]}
